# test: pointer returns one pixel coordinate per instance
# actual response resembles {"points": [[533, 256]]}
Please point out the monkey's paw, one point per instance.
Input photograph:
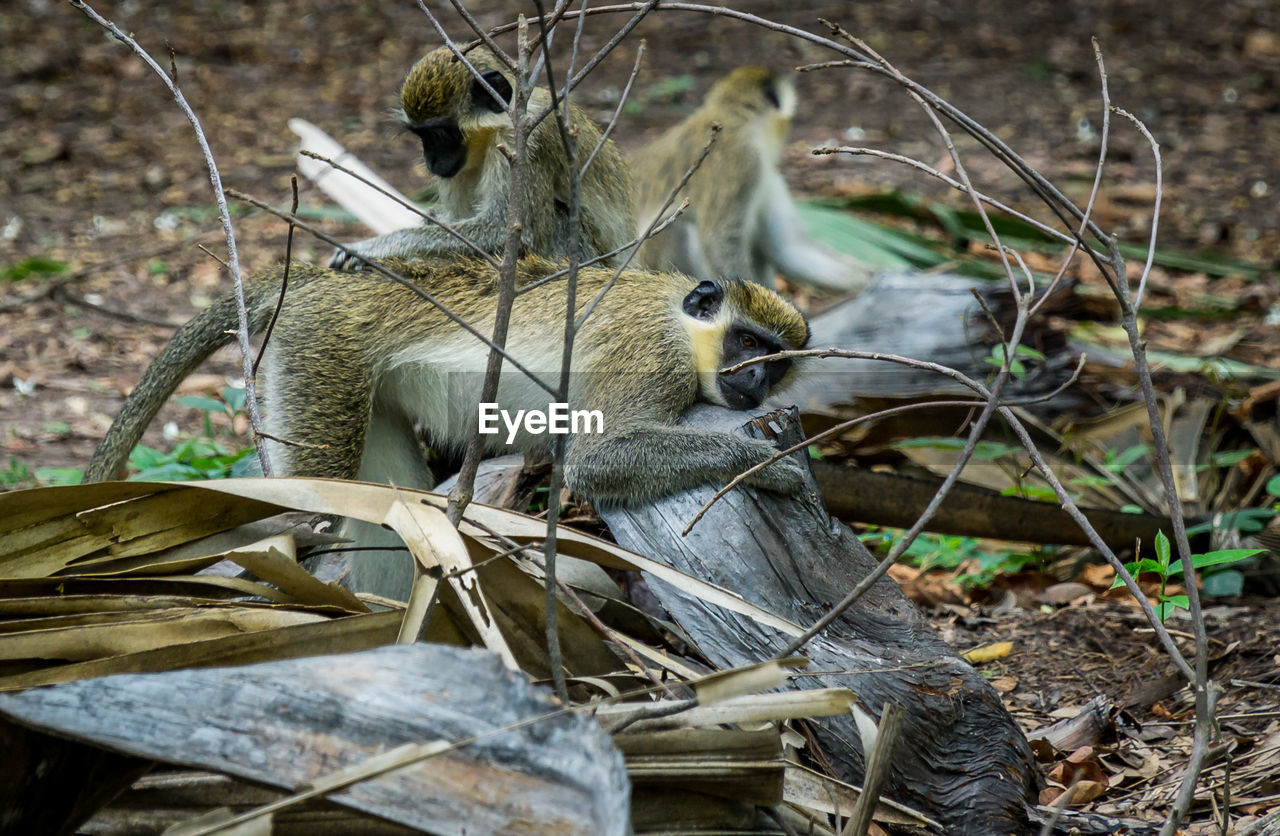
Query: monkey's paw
{"points": [[346, 258]]}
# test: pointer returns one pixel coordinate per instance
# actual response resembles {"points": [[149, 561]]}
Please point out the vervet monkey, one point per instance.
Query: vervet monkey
{"points": [[741, 219], [466, 135], [354, 361]]}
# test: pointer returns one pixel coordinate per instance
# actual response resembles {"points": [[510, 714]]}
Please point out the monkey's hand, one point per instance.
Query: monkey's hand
{"points": [[785, 476], [643, 464], [346, 257]]}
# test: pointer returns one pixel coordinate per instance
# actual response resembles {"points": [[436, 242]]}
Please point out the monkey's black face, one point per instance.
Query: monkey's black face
{"points": [[749, 386], [443, 146]]}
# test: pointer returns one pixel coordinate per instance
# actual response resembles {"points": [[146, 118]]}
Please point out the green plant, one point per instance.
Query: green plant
{"points": [[978, 567], [1162, 566], [201, 457], [1016, 367], [34, 266], [16, 474]]}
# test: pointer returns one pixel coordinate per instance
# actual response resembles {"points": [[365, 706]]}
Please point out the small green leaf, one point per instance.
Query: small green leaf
{"points": [[59, 476], [59, 428], [202, 403], [1131, 509], [1214, 559], [1137, 567], [143, 457], [1162, 550], [1027, 351], [1273, 486], [1226, 458], [34, 266], [234, 396]]}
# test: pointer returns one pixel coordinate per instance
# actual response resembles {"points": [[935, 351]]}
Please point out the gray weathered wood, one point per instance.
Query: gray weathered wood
{"points": [[961, 758], [923, 316], [287, 723]]}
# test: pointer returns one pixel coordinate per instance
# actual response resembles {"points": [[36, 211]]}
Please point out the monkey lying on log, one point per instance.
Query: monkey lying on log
{"points": [[961, 759], [356, 362]]}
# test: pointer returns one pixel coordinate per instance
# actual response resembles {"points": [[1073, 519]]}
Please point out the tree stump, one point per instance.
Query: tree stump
{"points": [[961, 758]]}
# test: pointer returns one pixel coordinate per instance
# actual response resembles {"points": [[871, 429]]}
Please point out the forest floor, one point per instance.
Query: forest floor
{"points": [[101, 173]]}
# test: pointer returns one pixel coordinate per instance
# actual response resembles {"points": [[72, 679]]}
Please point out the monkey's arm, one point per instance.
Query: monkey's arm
{"points": [[422, 240], [650, 460], [211, 329], [785, 243]]}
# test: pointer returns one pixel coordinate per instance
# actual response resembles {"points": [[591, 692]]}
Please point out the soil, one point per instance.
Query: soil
{"points": [[101, 171]]}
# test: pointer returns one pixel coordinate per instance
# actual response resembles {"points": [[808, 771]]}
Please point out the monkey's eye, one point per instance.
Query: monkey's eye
{"points": [[482, 98], [749, 341]]}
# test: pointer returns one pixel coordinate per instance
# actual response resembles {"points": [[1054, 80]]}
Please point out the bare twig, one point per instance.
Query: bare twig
{"points": [[953, 183], [215, 178], [518, 110], [569, 140], [1155, 212], [284, 279], [617, 112]]}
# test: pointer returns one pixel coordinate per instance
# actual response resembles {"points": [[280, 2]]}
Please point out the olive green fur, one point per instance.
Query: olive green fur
{"points": [[346, 342], [475, 201]]}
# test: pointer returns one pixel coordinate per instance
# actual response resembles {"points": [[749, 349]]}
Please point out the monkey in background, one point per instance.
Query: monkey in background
{"points": [[462, 126], [741, 220]]}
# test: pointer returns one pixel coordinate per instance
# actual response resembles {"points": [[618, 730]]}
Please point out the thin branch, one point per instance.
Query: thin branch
{"points": [[1155, 212], [953, 183], [569, 141], [617, 112], [853, 422], [461, 494], [284, 279], [233, 257]]}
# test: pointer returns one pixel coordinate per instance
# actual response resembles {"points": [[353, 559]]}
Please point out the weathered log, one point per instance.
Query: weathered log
{"points": [[49, 785], [930, 317], [286, 724], [961, 758], [894, 499]]}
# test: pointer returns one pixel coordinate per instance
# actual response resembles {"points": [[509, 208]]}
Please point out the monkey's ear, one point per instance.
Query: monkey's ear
{"points": [[771, 92], [500, 85], [704, 301]]}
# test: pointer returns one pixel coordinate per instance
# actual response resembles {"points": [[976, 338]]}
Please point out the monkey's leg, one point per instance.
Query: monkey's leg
{"points": [[642, 463], [391, 456]]}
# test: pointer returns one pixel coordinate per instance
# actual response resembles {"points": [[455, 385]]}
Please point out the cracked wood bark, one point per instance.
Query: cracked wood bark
{"points": [[285, 724], [961, 758]]}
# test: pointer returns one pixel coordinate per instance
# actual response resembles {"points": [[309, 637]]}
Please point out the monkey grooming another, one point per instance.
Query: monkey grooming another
{"points": [[461, 127], [741, 220]]}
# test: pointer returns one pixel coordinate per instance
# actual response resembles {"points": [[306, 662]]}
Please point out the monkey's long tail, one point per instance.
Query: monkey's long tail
{"points": [[208, 331]]}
